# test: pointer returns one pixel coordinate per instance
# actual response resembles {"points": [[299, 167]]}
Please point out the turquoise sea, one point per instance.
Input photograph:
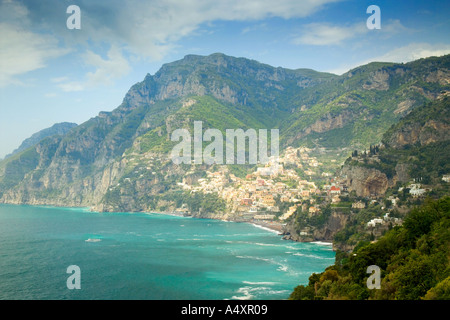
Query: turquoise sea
{"points": [[147, 256]]}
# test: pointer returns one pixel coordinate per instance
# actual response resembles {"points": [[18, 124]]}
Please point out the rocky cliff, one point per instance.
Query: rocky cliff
{"points": [[422, 127], [323, 232], [413, 148], [380, 95], [366, 182], [119, 160]]}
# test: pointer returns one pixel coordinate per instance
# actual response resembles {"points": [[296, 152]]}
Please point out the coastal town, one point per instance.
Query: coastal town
{"points": [[271, 193], [296, 182]]}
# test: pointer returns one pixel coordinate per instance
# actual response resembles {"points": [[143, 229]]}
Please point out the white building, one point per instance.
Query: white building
{"points": [[374, 222], [415, 190]]}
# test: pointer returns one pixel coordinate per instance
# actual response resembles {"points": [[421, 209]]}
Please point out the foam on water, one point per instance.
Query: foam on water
{"points": [[147, 256]]}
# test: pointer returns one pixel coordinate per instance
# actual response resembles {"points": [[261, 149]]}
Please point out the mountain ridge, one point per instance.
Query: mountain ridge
{"points": [[57, 129], [308, 107]]}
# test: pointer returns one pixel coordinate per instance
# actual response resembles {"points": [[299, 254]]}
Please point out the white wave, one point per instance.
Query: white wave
{"points": [[259, 283], [283, 268], [266, 228], [322, 243], [264, 244], [235, 235], [249, 292], [283, 292], [93, 240], [246, 294], [254, 258], [311, 256], [257, 243]]}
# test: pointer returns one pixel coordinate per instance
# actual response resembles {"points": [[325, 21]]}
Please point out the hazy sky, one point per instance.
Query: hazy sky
{"points": [[49, 73]]}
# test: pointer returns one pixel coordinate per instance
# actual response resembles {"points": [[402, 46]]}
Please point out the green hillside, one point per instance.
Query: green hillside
{"points": [[358, 107], [308, 107], [413, 258], [414, 151]]}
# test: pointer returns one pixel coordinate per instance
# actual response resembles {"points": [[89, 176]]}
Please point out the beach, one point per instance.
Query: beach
{"points": [[269, 225]]}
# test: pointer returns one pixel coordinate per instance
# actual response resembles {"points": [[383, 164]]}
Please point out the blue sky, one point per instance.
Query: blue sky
{"points": [[49, 73]]}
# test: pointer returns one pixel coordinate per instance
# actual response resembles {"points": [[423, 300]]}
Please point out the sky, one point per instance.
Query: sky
{"points": [[52, 71]]}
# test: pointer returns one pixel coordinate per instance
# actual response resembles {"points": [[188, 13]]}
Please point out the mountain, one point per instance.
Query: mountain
{"points": [[57, 129], [411, 157], [359, 106], [119, 160], [413, 149]]}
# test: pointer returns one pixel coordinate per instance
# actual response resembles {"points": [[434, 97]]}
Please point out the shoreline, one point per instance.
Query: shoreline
{"points": [[274, 227], [271, 226]]}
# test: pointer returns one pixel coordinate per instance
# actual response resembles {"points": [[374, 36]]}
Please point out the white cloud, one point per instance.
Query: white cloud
{"points": [[106, 71], [410, 52], [109, 69], [72, 86], [320, 34], [393, 27], [325, 34], [147, 29], [413, 51], [151, 29], [59, 79], [260, 26], [13, 12], [22, 51]]}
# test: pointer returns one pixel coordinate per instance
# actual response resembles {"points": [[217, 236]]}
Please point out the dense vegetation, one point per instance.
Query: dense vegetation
{"points": [[420, 157], [362, 104], [57, 129], [414, 260], [207, 203], [304, 218], [427, 134]]}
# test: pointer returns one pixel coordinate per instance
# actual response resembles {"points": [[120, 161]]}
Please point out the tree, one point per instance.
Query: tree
{"points": [[440, 292], [302, 293], [413, 259], [413, 279]]}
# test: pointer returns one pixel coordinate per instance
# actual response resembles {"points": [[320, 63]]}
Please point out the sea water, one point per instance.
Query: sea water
{"points": [[147, 256]]}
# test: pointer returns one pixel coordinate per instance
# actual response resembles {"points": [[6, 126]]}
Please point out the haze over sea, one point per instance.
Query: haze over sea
{"points": [[147, 256]]}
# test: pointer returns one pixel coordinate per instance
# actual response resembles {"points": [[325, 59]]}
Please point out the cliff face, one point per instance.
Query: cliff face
{"points": [[327, 123], [325, 232], [381, 94], [232, 80], [366, 182], [413, 148], [119, 160], [433, 130]]}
